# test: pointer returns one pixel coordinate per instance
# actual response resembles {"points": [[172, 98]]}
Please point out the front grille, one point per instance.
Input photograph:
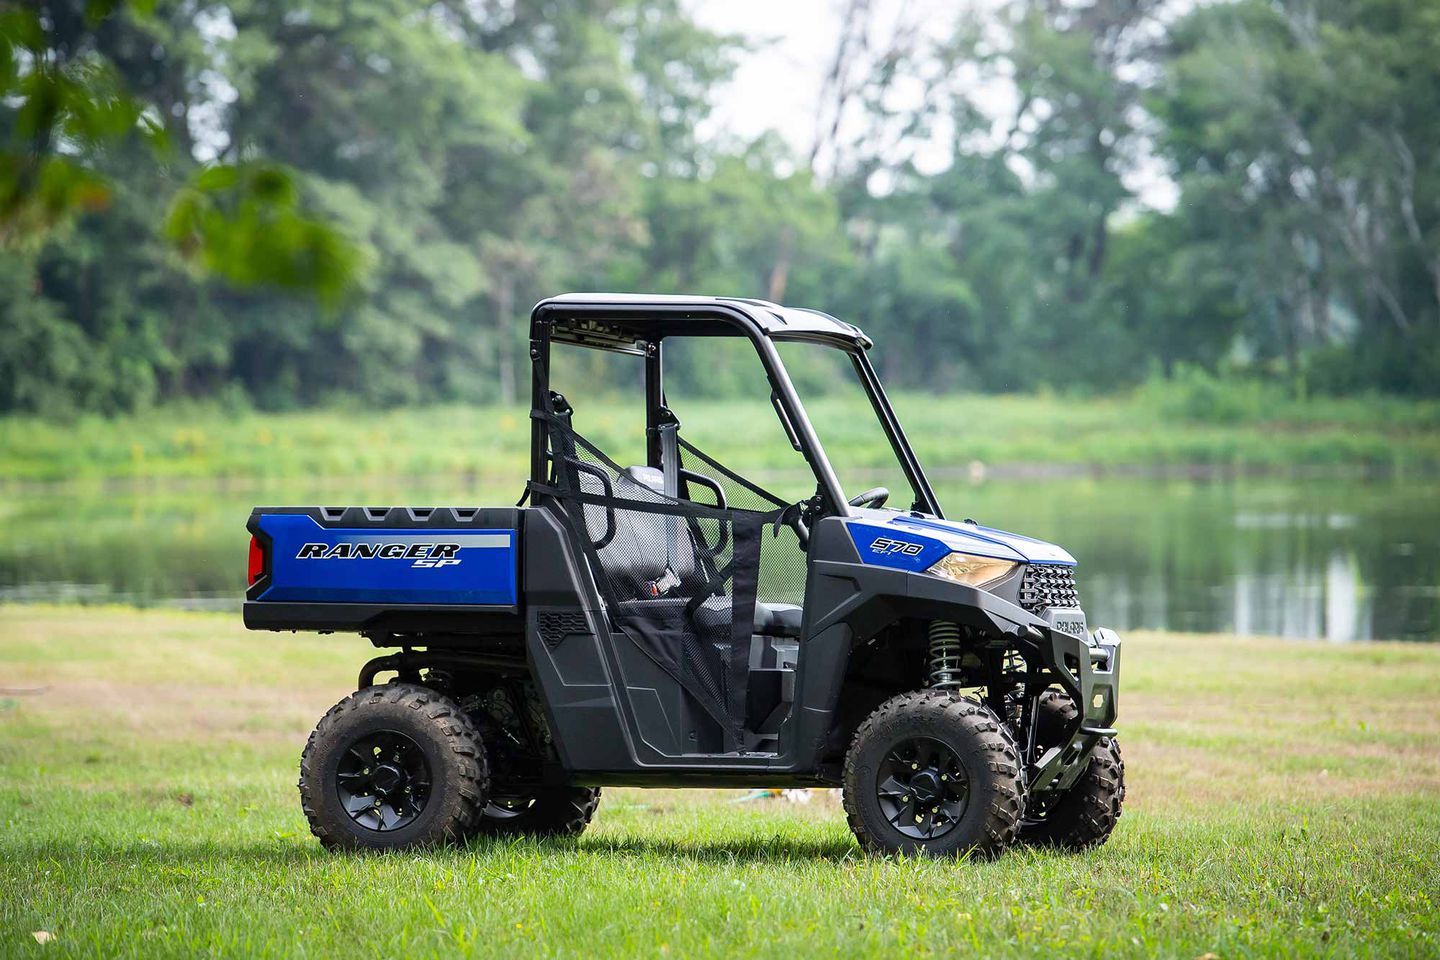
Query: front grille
{"points": [[1048, 585]]}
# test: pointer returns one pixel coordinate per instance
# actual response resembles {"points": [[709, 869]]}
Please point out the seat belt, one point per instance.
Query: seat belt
{"points": [[670, 454], [669, 429]]}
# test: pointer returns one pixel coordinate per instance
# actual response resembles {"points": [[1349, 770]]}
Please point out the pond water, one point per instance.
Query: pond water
{"points": [[1330, 559]]}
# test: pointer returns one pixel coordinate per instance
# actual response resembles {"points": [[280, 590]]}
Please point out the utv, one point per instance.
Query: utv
{"points": [[674, 623]]}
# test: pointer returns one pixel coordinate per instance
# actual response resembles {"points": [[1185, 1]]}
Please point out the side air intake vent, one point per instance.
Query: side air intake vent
{"points": [[555, 627]]}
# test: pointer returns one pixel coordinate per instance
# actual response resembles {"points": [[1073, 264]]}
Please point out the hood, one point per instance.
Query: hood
{"points": [[916, 542]]}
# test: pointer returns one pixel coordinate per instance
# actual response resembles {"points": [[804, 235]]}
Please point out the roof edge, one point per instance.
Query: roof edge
{"points": [[773, 319]]}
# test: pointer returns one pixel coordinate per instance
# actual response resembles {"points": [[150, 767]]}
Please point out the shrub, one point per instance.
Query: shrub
{"points": [[1193, 393]]}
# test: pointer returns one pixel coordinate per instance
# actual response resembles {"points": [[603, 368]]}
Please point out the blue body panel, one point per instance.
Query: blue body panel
{"points": [[311, 562], [888, 538], [883, 546]]}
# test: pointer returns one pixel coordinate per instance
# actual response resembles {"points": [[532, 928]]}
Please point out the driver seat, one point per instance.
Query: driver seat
{"points": [[771, 619]]}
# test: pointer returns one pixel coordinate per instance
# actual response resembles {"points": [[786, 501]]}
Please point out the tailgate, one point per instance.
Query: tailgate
{"points": [[386, 556]]}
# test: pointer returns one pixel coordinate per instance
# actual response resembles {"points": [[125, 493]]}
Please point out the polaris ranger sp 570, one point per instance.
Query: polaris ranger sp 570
{"points": [[674, 623]]}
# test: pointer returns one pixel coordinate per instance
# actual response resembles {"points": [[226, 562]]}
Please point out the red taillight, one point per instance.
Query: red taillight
{"points": [[257, 560]]}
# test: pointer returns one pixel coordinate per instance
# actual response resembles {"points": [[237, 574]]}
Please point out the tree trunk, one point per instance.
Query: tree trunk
{"points": [[836, 89], [780, 271]]}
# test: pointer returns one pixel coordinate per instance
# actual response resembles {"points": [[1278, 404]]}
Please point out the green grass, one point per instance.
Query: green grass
{"points": [[1153, 427], [1283, 801]]}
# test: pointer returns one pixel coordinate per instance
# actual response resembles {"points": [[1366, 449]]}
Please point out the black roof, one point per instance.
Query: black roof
{"points": [[609, 319]]}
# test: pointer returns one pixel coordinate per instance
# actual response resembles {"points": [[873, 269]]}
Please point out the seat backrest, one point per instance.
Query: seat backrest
{"points": [[651, 554]]}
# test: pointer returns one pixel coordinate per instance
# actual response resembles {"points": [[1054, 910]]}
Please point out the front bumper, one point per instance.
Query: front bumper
{"points": [[1101, 700], [1090, 672]]}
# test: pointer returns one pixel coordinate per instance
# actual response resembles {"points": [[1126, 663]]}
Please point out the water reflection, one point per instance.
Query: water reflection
{"points": [[1340, 560]]}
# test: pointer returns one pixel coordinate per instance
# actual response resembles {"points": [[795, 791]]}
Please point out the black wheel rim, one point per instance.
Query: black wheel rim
{"points": [[922, 788], [383, 781]]}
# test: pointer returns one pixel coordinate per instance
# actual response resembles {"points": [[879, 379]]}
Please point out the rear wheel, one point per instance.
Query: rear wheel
{"points": [[1085, 815], [393, 766], [540, 812], [934, 773]]}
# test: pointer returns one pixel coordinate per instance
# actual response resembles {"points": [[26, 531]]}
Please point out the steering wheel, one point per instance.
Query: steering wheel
{"points": [[874, 497]]}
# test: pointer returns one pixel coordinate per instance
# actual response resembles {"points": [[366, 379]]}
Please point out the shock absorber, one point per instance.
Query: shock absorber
{"points": [[943, 668]]}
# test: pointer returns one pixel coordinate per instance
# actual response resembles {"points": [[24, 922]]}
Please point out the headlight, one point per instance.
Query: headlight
{"points": [[971, 570]]}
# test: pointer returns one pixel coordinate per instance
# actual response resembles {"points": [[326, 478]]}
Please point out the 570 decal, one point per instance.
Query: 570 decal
{"points": [[423, 554], [887, 546]]}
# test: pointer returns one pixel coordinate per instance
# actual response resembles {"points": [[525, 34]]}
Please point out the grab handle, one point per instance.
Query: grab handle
{"points": [[609, 493], [720, 503]]}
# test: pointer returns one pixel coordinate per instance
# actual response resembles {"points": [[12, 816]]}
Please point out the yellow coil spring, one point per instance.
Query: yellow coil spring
{"points": [[943, 670]]}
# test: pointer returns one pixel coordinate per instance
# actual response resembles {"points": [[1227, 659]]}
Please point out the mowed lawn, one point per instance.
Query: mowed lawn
{"points": [[1284, 799]]}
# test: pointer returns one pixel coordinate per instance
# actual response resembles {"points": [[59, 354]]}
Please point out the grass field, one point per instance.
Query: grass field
{"points": [[1284, 799], [1150, 428]]}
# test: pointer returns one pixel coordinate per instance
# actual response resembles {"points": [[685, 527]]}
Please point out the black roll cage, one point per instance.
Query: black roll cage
{"points": [[652, 320]]}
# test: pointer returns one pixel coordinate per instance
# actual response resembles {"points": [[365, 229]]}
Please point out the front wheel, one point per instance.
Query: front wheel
{"points": [[932, 772], [393, 766], [1085, 815]]}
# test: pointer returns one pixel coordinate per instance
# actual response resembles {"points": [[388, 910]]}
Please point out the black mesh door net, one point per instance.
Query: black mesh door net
{"points": [[681, 579]]}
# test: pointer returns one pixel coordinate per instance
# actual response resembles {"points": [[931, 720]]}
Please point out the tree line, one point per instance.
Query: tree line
{"points": [[298, 203]]}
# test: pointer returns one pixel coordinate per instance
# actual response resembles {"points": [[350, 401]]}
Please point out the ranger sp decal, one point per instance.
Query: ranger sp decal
{"points": [[423, 554]]}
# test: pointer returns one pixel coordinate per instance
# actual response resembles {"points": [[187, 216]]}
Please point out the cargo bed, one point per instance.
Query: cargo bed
{"points": [[394, 569]]}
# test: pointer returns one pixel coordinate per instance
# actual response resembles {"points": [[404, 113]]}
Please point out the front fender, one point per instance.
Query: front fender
{"points": [[867, 599], [870, 598], [858, 601]]}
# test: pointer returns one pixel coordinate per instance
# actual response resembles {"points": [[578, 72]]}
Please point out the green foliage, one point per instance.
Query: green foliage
{"points": [[43, 364], [57, 106], [1193, 393], [1407, 364], [243, 223], [1196, 421], [173, 174], [1305, 147], [63, 77]]}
